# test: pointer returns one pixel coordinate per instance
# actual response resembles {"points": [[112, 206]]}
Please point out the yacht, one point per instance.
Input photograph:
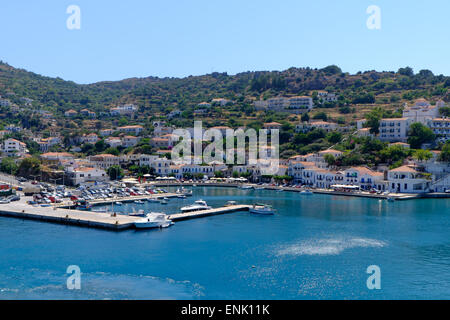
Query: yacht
{"points": [[197, 206], [263, 209], [153, 220]]}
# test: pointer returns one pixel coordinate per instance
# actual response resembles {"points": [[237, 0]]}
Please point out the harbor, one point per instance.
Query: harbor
{"points": [[62, 214], [206, 257]]}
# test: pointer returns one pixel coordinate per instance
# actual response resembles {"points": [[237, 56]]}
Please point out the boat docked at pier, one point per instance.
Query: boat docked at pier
{"points": [[153, 220], [197, 206], [262, 209]]}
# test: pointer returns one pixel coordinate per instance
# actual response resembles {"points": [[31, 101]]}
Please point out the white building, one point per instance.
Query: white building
{"points": [[365, 178], [406, 179], [86, 174], [394, 129], [422, 111], [10, 146], [137, 130], [127, 109], [297, 104], [441, 128], [325, 96], [104, 161]]}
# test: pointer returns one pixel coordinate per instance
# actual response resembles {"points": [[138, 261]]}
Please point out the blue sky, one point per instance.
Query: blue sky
{"points": [[179, 38]]}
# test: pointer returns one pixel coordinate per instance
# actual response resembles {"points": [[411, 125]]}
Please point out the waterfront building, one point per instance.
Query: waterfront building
{"points": [[406, 179], [82, 175], [365, 178]]}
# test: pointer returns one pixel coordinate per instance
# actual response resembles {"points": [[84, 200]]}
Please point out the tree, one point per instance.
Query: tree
{"points": [[419, 134], [305, 117], [373, 120], [114, 172], [29, 167], [330, 159], [334, 137], [407, 71], [445, 153], [421, 154], [8, 165], [394, 153]]}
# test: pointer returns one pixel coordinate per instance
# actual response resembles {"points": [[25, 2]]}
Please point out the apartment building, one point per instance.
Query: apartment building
{"points": [[394, 129], [441, 128]]}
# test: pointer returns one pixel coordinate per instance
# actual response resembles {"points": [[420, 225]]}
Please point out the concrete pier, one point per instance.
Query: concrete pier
{"points": [[210, 212], [92, 219]]}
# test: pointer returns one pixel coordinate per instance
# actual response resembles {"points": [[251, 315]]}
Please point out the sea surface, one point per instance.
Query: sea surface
{"points": [[315, 247]]}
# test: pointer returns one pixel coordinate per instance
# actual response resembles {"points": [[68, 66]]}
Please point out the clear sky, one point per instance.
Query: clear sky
{"points": [[177, 38]]}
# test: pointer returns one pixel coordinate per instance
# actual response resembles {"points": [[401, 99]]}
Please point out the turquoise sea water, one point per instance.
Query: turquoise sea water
{"points": [[315, 247]]}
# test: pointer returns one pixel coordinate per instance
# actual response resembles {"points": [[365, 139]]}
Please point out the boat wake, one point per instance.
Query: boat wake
{"points": [[328, 246]]}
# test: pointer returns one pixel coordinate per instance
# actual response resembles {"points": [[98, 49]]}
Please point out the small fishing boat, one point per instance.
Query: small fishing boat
{"points": [[152, 200], [306, 192], [245, 187], [118, 203], [230, 203], [280, 190], [262, 209], [164, 202], [139, 202], [390, 199], [153, 220]]}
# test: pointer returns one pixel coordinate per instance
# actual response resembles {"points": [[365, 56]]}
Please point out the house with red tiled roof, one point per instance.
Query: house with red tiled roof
{"points": [[407, 179]]}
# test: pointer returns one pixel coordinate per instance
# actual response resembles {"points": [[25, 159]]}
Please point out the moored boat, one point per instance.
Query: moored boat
{"points": [[262, 209], [153, 220], [197, 206]]}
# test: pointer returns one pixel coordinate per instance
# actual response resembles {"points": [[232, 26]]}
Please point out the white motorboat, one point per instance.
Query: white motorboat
{"points": [[153, 220], [263, 209], [306, 192], [231, 203], [152, 200], [118, 203], [164, 202], [197, 206], [139, 202], [245, 187]]}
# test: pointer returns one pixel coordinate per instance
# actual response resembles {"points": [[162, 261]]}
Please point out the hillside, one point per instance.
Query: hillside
{"points": [[360, 91]]}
